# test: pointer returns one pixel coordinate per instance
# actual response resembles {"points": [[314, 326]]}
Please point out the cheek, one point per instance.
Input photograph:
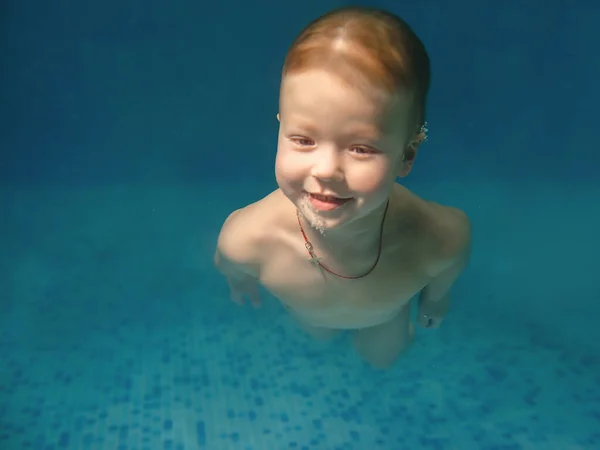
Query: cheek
{"points": [[372, 180], [287, 167]]}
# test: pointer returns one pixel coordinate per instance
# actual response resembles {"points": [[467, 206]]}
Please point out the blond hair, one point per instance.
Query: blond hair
{"points": [[365, 45]]}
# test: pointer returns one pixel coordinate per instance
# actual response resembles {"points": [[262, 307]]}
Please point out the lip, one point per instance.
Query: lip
{"points": [[324, 196], [321, 202]]}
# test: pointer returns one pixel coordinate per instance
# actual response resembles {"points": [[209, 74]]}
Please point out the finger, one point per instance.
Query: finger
{"points": [[433, 323], [426, 321], [254, 297], [236, 296], [234, 293], [237, 299]]}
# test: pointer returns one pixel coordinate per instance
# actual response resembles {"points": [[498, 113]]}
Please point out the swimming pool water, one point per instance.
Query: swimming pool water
{"points": [[117, 333]]}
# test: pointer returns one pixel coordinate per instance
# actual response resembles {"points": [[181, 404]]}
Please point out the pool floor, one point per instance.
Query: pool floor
{"points": [[116, 333]]}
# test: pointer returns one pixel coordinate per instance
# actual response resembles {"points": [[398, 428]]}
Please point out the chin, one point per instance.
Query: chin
{"points": [[324, 220]]}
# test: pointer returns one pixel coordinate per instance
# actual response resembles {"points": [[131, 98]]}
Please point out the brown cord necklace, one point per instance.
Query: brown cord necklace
{"points": [[317, 259]]}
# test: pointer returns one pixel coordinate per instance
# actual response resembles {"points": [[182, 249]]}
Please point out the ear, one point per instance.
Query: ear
{"points": [[278, 118], [407, 161], [410, 153]]}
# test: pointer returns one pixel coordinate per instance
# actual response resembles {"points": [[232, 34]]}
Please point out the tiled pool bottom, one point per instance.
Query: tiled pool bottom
{"points": [[116, 334], [252, 381]]}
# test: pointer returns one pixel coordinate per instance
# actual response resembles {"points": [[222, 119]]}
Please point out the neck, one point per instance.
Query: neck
{"points": [[361, 236]]}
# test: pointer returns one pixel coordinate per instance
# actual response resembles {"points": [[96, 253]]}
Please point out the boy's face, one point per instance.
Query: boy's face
{"points": [[339, 141]]}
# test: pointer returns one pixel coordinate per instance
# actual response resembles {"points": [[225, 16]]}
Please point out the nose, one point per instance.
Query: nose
{"points": [[327, 166]]}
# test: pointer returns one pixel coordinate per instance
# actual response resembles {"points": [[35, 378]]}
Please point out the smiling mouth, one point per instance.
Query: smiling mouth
{"points": [[329, 198], [326, 202]]}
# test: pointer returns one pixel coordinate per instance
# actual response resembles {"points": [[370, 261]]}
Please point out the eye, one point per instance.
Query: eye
{"points": [[302, 141], [363, 151]]}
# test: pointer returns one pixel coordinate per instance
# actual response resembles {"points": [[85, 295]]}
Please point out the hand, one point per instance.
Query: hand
{"points": [[246, 287], [432, 313], [427, 321]]}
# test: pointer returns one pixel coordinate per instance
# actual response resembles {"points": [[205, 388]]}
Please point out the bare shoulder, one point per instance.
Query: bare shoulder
{"points": [[245, 234], [453, 228], [444, 230]]}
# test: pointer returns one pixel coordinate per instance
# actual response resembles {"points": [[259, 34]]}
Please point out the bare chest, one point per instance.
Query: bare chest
{"points": [[321, 299]]}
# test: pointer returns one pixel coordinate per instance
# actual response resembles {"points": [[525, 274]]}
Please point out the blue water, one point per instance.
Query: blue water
{"points": [[130, 129]]}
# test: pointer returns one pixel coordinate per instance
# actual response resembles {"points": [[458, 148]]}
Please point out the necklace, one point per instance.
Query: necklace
{"points": [[317, 259]]}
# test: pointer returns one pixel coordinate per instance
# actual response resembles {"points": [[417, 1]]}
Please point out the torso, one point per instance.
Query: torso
{"points": [[324, 300], [321, 300]]}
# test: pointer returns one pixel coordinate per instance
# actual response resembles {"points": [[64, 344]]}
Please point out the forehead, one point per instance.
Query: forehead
{"points": [[324, 97]]}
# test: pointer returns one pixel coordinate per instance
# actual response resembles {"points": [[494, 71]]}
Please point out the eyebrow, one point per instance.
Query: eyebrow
{"points": [[304, 126], [364, 132]]}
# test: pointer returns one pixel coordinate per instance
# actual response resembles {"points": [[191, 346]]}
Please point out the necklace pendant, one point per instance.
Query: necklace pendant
{"points": [[315, 259]]}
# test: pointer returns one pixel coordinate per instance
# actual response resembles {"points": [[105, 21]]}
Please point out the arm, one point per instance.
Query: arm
{"points": [[235, 259], [434, 300], [242, 281]]}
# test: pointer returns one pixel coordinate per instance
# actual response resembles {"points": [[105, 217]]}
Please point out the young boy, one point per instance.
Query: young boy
{"points": [[340, 243]]}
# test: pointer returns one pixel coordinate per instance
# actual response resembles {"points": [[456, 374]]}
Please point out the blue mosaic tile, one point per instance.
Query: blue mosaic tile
{"points": [[162, 370]]}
